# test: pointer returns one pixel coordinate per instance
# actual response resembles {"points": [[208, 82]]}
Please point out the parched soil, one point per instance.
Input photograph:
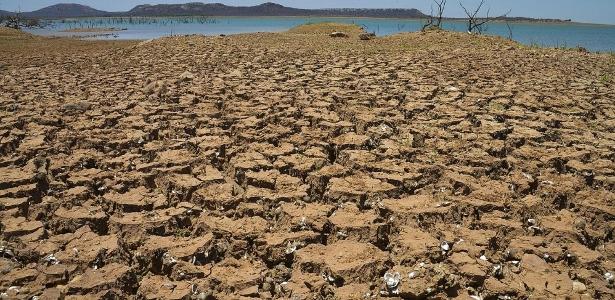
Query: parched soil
{"points": [[300, 166]]}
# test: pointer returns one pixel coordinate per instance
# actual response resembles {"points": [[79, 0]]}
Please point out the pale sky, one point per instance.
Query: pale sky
{"points": [[593, 11]]}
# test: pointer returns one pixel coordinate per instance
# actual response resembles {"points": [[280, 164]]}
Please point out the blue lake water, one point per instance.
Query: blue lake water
{"points": [[591, 36]]}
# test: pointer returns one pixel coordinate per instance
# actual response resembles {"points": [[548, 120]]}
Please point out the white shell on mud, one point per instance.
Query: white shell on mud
{"points": [[445, 246], [392, 280]]}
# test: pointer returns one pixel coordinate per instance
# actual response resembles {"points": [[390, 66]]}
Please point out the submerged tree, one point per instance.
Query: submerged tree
{"points": [[435, 21], [18, 21], [478, 24]]}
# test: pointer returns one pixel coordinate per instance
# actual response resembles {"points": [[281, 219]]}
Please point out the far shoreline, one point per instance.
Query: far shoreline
{"points": [[524, 21]]}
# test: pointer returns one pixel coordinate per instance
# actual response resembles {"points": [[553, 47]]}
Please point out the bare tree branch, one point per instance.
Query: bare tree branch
{"points": [[477, 24], [436, 21]]}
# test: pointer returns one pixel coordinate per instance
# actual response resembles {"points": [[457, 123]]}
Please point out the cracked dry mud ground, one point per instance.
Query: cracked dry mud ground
{"points": [[298, 166]]}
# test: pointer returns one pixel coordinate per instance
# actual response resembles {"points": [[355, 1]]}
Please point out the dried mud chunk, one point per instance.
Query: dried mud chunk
{"points": [[298, 164], [22, 191], [496, 288], [583, 255], [343, 262], [350, 223], [78, 194], [68, 220], [354, 291], [304, 286], [274, 247], [134, 200], [560, 225], [157, 221], [13, 227], [179, 157], [351, 140], [262, 179], [32, 144], [498, 220], [471, 271], [460, 184], [184, 248], [530, 245], [290, 188], [154, 287], [304, 216], [474, 242], [232, 275], [90, 250], [18, 277], [239, 229], [421, 281], [356, 159], [178, 186], [217, 196], [88, 177], [422, 210], [12, 203], [356, 187], [318, 180], [249, 161], [54, 275], [286, 188], [10, 178], [599, 204], [210, 175], [111, 277], [413, 244], [543, 280]]}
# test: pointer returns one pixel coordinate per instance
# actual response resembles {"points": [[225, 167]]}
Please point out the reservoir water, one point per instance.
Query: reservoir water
{"points": [[590, 36]]}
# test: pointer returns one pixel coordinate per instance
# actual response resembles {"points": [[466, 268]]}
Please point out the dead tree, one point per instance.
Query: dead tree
{"points": [[17, 21], [436, 21], [510, 32], [478, 24]]}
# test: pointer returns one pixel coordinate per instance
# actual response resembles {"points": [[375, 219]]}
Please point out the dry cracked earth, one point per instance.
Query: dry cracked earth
{"points": [[298, 166]]}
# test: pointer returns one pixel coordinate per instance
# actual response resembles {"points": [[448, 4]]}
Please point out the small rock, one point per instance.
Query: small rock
{"points": [[366, 36], [338, 34], [186, 76], [579, 287]]}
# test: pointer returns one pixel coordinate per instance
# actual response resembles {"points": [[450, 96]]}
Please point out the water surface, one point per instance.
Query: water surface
{"points": [[591, 36]]}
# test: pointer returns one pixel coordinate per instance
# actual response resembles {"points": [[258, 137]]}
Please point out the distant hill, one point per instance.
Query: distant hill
{"points": [[266, 9], [66, 10], [4, 13]]}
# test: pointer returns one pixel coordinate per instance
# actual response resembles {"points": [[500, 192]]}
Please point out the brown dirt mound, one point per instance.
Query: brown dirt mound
{"points": [[10, 32], [327, 28]]}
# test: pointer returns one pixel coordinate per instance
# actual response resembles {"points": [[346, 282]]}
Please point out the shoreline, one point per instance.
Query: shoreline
{"points": [[329, 17]]}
